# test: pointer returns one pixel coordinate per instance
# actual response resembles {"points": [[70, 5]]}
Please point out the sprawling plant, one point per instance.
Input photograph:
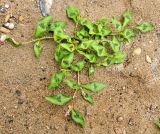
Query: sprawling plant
{"points": [[93, 44]]}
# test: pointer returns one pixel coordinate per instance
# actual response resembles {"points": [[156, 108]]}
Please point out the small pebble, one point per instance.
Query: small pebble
{"points": [[21, 18], [120, 119], [148, 59], [4, 30], [137, 51], [11, 26], [7, 17], [7, 25], [6, 6], [130, 122], [2, 9], [18, 93]]}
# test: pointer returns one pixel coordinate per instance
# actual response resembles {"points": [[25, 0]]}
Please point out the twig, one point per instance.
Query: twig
{"points": [[32, 41]]}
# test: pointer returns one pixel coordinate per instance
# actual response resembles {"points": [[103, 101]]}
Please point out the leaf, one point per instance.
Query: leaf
{"points": [[60, 53], [11, 41], [78, 66], [57, 25], [94, 86], [83, 33], [157, 123], [128, 34], [68, 46], [145, 27], [86, 44], [87, 97], [127, 15], [115, 44], [59, 99], [118, 58], [56, 79], [72, 13], [91, 70], [72, 84], [37, 49], [117, 24], [101, 51], [66, 61], [60, 36], [42, 26], [77, 117], [91, 57]]}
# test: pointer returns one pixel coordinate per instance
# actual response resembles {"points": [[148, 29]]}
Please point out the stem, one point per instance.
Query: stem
{"points": [[39, 39], [78, 83]]}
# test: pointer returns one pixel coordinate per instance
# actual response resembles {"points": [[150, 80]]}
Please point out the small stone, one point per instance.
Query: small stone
{"points": [[130, 122], [6, 6], [7, 17], [18, 93], [21, 18], [56, 127], [120, 119], [11, 26], [148, 59], [137, 51], [7, 25], [2, 9], [4, 30]]}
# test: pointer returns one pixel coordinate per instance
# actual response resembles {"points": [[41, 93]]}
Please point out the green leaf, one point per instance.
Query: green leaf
{"points": [[145, 27], [91, 70], [59, 99], [42, 26], [115, 44], [78, 66], [11, 41], [56, 79], [66, 61], [60, 36], [86, 44], [157, 123], [72, 84], [91, 57], [83, 33], [60, 53], [77, 117], [68, 46], [127, 15], [118, 58], [101, 51], [72, 13], [37, 49], [57, 25], [128, 34], [94, 86], [117, 24], [87, 97]]}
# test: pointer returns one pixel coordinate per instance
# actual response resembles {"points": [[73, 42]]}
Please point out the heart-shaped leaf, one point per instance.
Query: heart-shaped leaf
{"points": [[66, 61], [115, 44], [73, 13], [57, 25], [83, 33], [77, 117], [94, 86], [145, 27], [101, 51], [68, 46], [56, 79], [37, 49], [42, 26], [91, 70], [78, 66], [117, 24], [87, 97], [59, 99], [86, 44], [72, 84], [128, 34], [91, 57], [127, 15]]}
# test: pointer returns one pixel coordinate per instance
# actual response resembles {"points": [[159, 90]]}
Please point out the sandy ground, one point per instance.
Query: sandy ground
{"points": [[134, 86]]}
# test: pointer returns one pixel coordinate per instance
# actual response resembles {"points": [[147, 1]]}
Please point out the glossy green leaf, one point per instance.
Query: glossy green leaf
{"points": [[94, 86], [157, 122], [87, 97], [11, 41], [128, 34], [60, 53], [37, 49], [78, 66], [127, 15], [73, 13], [77, 117], [145, 27], [57, 25], [68, 46], [72, 84], [115, 44], [66, 61], [91, 70], [59, 99], [56, 79], [86, 44], [42, 26], [91, 57], [117, 24]]}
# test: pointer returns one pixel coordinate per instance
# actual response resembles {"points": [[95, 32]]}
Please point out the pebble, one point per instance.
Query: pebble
{"points": [[20, 18], [2, 9], [7, 17], [6, 6], [4, 30], [18, 93], [148, 59], [120, 119], [130, 122], [137, 51], [11, 26]]}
